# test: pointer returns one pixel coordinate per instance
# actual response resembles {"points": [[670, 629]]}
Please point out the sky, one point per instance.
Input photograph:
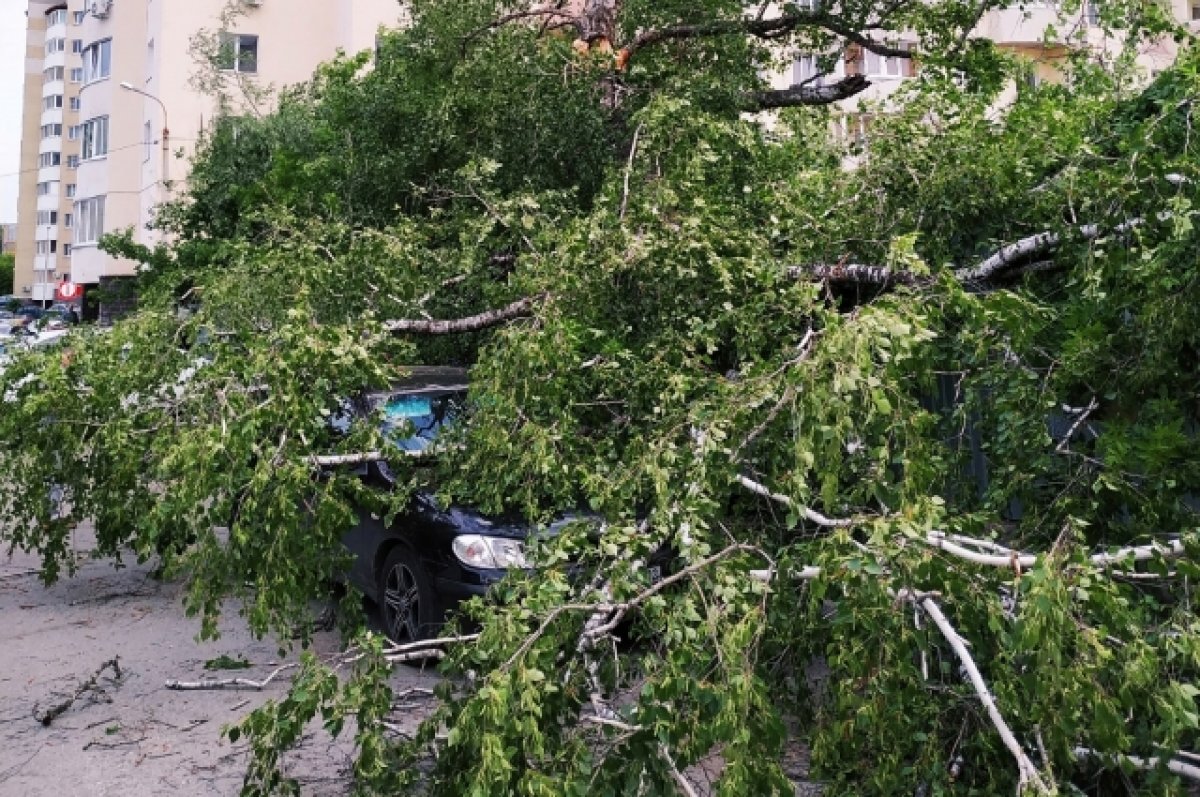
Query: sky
{"points": [[12, 73]]}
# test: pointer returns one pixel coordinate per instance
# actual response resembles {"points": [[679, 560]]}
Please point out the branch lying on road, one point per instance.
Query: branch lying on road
{"points": [[490, 318], [222, 683], [432, 648], [89, 685]]}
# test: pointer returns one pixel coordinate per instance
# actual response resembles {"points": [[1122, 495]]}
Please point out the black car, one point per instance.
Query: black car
{"points": [[430, 558]]}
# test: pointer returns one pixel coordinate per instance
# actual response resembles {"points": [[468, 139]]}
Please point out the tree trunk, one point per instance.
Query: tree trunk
{"points": [[599, 20]]}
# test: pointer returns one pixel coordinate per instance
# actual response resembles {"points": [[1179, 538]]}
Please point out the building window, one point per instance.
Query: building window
{"points": [[70, 190], [47, 247], [72, 161], [53, 73], [811, 69], [876, 65], [48, 188], [74, 103], [79, 15], [76, 45], [52, 102], [77, 75], [1195, 12], [73, 132], [67, 221], [94, 133], [67, 248], [51, 131], [90, 213], [95, 138], [55, 46], [49, 159], [56, 17], [97, 61], [239, 52], [47, 217]]}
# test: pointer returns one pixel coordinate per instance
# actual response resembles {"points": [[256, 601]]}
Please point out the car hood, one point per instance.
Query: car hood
{"points": [[472, 521]]}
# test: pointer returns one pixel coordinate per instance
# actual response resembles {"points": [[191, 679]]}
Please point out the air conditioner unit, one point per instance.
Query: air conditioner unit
{"points": [[101, 8]]}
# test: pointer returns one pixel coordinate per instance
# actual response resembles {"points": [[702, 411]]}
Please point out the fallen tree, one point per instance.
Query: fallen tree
{"points": [[826, 390]]}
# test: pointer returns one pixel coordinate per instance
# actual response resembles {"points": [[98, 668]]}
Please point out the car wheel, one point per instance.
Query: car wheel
{"points": [[406, 600]]}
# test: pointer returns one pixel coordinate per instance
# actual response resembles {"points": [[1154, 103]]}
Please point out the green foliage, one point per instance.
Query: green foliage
{"points": [[7, 265], [674, 351]]}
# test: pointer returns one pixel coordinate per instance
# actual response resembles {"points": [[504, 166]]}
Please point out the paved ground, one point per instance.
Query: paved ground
{"points": [[137, 739]]}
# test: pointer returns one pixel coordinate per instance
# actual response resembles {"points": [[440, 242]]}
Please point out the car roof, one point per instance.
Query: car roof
{"points": [[427, 379]]}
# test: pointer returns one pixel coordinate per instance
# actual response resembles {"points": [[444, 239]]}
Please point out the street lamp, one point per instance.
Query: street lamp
{"points": [[166, 133]]}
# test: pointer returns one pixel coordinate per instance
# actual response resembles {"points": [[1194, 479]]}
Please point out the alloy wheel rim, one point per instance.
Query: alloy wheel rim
{"points": [[403, 604]]}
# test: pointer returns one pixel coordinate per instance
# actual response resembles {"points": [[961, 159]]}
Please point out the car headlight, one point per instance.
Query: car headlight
{"points": [[492, 552]]}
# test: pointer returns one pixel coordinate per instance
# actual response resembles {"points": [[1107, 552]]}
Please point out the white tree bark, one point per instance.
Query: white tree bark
{"points": [[1173, 765], [1027, 772]]}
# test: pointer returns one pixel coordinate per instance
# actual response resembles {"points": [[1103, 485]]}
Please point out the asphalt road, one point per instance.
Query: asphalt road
{"points": [[132, 737]]}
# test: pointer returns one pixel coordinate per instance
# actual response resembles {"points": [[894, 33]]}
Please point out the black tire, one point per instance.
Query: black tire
{"points": [[407, 604]]}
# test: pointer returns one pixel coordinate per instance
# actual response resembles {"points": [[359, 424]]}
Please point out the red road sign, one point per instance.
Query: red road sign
{"points": [[68, 291]]}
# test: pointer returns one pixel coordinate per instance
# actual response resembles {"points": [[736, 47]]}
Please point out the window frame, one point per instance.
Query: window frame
{"points": [[94, 138], [97, 61], [232, 54], [89, 215]]}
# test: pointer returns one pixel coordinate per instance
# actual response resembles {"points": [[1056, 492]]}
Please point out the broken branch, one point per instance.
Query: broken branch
{"points": [[1028, 773], [1172, 765], [490, 318], [804, 94], [809, 514], [766, 28], [856, 272], [222, 683], [89, 685]]}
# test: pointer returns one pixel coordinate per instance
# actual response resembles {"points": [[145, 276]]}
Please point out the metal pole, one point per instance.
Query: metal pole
{"points": [[165, 172]]}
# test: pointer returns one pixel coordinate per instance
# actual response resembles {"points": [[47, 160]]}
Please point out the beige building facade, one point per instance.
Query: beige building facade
{"points": [[112, 109], [1042, 32]]}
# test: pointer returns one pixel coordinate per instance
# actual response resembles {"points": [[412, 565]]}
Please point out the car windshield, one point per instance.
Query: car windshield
{"points": [[412, 421]]}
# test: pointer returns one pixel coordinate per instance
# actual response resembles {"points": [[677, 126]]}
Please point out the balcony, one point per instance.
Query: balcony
{"points": [[43, 291]]}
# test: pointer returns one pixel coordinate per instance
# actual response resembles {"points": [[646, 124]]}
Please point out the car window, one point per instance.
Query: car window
{"points": [[412, 421]]}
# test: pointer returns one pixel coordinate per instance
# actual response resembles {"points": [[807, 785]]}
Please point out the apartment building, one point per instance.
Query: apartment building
{"points": [[112, 113], [1040, 31]]}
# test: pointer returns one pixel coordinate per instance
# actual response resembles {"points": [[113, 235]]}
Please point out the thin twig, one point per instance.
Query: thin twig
{"points": [[629, 169], [1062, 444]]}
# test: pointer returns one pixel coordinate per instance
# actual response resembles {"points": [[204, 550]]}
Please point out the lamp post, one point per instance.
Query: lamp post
{"points": [[166, 133]]}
